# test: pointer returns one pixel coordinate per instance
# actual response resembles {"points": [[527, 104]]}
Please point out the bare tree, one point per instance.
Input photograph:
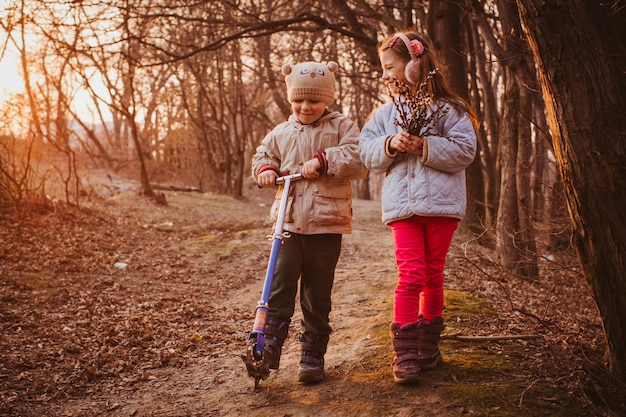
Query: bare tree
{"points": [[483, 97], [47, 101], [580, 49], [515, 232], [447, 31]]}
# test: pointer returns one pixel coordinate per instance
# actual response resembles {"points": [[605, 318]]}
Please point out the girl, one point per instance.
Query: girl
{"points": [[423, 193]]}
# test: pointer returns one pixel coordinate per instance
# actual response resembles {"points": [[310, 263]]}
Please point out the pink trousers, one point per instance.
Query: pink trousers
{"points": [[421, 245]]}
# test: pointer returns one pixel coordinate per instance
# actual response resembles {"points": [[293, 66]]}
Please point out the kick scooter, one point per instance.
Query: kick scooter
{"points": [[256, 364]]}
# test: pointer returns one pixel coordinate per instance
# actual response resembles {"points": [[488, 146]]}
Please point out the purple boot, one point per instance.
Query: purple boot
{"points": [[405, 366], [428, 342], [313, 348], [275, 335]]}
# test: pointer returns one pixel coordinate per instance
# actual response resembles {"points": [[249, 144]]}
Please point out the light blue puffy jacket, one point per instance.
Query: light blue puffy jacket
{"points": [[430, 185]]}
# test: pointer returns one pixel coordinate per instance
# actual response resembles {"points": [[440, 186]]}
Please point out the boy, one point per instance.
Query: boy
{"points": [[323, 146]]}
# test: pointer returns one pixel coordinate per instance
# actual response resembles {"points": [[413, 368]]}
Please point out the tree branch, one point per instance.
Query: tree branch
{"points": [[459, 337]]}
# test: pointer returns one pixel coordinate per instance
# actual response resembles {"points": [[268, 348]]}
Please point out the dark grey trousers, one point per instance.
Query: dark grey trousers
{"points": [[310, 259]]}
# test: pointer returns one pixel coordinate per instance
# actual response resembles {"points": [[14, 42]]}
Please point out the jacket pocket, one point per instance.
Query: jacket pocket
{"points": [[332, 208]]}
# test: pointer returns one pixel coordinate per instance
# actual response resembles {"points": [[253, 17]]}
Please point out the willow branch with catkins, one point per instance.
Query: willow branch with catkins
{"points": [[418, 112]]}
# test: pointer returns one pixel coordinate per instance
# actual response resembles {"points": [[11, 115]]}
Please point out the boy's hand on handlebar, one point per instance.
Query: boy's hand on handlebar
{"points": [[310, 169], [267, 179]]}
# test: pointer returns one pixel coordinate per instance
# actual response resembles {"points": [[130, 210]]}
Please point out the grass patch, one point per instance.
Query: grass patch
{"points": [[457, 303]]}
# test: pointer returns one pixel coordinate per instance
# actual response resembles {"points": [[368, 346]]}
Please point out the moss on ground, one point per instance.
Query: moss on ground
{"points": [[476, 378]]}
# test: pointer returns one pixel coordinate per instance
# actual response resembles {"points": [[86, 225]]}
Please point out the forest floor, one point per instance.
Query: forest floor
{"points": [[122, 307]]}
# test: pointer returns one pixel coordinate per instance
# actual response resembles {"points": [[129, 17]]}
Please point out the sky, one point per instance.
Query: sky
{"points": [[11, 81]]}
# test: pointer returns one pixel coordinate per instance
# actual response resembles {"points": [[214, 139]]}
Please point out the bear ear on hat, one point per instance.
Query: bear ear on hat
{"points": [[332, 66], [287, 68]]}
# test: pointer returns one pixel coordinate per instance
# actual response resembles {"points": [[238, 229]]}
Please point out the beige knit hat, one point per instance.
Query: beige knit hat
{"points": [[310, 81]]}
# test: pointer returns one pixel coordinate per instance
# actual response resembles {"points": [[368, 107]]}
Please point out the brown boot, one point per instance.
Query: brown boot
{"points": [[311, 367], [275, 334], [405, 368], [428, 342]]}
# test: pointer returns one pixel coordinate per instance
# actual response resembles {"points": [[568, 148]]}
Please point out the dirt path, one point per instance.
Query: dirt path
{"points": [[124, 308], [219, 386]]}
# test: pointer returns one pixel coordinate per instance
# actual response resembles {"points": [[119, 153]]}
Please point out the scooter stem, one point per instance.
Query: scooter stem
{"points": [[262, 306]]}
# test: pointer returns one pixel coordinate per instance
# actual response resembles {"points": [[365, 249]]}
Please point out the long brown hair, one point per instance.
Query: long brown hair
{"points": [[436, 84]]}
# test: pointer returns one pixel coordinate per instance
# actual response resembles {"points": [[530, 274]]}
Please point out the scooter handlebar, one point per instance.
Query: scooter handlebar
{"points": [[281, 180], [292, 177]]}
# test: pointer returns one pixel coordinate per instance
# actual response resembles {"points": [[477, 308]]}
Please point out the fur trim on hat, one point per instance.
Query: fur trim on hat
{"points": [[310, 81]]}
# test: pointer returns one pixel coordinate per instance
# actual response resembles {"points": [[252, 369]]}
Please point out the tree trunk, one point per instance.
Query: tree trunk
{"points": [[580, 49], [488, 134], [446, 31], [525, 240], [146, 187], [507, 222]]}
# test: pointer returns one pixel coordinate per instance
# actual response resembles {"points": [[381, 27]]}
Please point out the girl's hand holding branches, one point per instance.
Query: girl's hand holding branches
{"points": [[405, 142], [418, 114]]}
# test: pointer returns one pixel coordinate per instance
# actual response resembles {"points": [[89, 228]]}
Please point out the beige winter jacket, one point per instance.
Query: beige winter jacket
{"points": [[324, 204]]}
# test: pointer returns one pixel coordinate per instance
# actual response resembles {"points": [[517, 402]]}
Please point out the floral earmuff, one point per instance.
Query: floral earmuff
{"points": [[416, 49]]}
